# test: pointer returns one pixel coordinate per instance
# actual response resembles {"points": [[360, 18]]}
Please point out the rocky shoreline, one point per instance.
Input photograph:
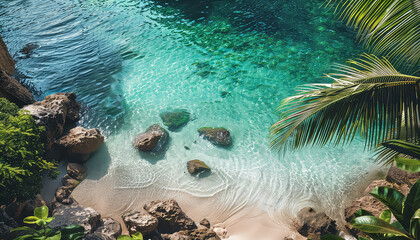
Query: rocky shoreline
{"points": [[161, 219]]}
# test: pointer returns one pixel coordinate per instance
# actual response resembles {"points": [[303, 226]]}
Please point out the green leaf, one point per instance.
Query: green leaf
{"points": [[415, 224], [30, 220], [23, 229], [72, 232], [41, 222], [331, 237], [362, 212], [363, 238], [56, 236], [392, 199], [124, 237], [48, 220], [41, 212], [23, 237], [371, 224], [407, 164], [386, 216], [137, 235], [411, 204]]}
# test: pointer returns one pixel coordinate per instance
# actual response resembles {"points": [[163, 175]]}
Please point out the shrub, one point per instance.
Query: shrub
{"points": [[21, 154]]}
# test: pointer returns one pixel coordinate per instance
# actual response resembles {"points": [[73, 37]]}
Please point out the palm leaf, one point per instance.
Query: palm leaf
{"points": [[387, 27], [368, 96], [390, 149]]}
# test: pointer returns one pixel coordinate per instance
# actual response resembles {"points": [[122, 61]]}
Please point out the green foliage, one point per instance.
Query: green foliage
{"points": [[41, 219], [135, 236], [21, 154], [406, 154]]}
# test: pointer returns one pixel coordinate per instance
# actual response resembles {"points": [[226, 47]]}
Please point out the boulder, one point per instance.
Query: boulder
{"points": [[54, 112], [197, 166], [199, 234], [73, 214], [400, 177], [7, 223], [80, 141], [69, 182], [313, 225], [174, 236], [217, 136], [176, 119], [153, 140], [140, 222], [205, 223], [62, 195], [14, 91], [109, 228], [170, 216], [7, 64], [76, 171]]}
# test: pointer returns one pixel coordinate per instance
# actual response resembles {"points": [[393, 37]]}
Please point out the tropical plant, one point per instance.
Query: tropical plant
{"points": [[406, 210], [368, 95], [21, 154], [41, 219], [135, 236]]}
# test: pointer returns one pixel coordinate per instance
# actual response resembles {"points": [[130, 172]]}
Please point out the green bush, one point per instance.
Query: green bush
{"points": [[21, 154]]}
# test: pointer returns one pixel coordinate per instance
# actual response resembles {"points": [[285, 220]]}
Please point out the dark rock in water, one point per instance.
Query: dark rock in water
{"points": [[205, 223], [140, 222], [77, 171], [217, 136], [197, 166], [54, 112], [69, 182], [66, 215], [176, 119], [27, 50], [314, 225], [170, 216], [7, 64], [109, 229], [153, 140], [187, 148], [14, 91], [79, 143]]}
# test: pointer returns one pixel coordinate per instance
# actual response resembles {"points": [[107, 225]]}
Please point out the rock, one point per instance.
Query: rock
{"points": [[27, 50], [109, 229], [76, 171], [62, 195], [13, 91], [217, 136], [170, 216], [174, 236], [196, 166], [176, 119], [140, 222], [400, 177], [205, 223], [66, 215], [69, 182], [199, 234], [7, 223], [38, 201], [80, 141], [7, 64], [154, 139], [314, 225], [54, 112], [97, 236]]}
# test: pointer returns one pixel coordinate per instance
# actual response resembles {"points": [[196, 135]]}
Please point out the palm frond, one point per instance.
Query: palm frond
{"points": [[387, 27], [388, 150], [368, 96]]}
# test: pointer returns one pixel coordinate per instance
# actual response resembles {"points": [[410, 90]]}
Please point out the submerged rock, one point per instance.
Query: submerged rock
{"points": [[13, 91], [313, 225], [170, 216], [27, 50], [54, 112], [153, 140], [217, 136], [80, 141], [197, 166], [140, 222], [176, 119]]}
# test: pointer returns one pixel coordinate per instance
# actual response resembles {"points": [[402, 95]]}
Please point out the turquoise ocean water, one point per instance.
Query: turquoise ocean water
{"points": [[229, 63]]}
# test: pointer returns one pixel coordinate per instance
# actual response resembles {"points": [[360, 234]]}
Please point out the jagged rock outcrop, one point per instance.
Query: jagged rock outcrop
{"points": [[54, 112], [13, 91], [77, 171], [217, 136], [73, 214], [153, 140], [140, 222], [170, 216], [7, 64]]}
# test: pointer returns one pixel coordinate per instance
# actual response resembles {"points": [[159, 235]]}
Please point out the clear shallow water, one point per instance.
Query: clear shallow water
{"points": [[229, 63]]}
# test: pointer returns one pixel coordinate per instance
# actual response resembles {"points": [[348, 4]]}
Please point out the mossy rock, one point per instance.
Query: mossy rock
{"points": [[218, 136], [175, 119], [197, 166]]}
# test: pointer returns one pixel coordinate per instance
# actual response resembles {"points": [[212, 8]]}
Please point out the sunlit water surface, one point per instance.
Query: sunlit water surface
{"points": [[228, 63]]}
